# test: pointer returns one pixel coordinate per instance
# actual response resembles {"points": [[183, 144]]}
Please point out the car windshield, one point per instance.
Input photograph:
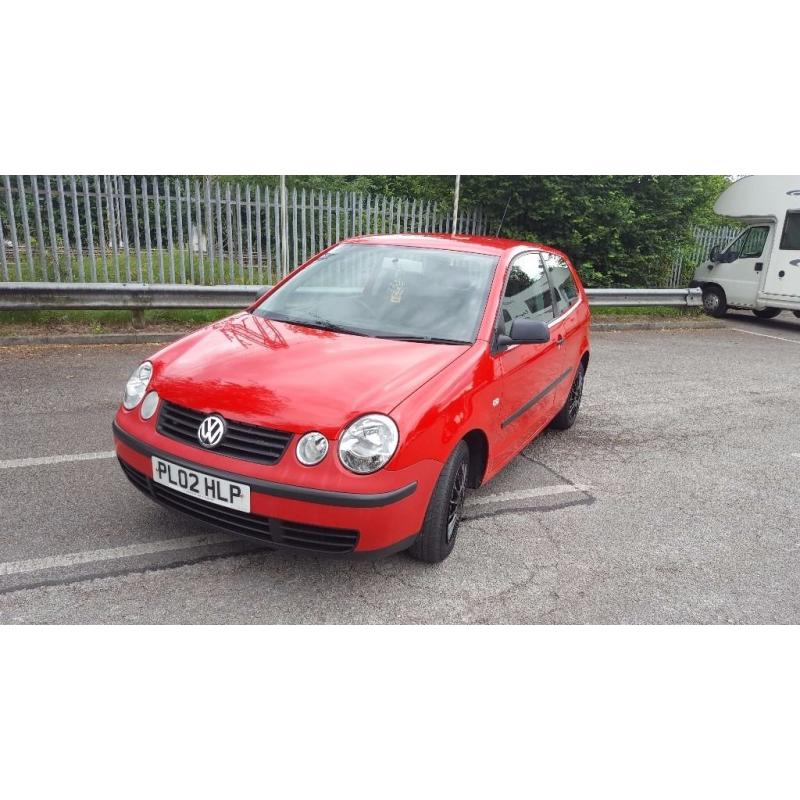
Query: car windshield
{"points": [[421, 294]]}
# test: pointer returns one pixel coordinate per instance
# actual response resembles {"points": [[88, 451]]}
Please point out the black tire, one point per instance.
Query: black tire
{"points": [[569, 411], [438, 536], [767, 313], [715, 303]]}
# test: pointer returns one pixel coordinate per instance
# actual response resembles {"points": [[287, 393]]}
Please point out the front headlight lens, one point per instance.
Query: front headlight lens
{"points": [[311, 448], [137, 385], [368, 443]]}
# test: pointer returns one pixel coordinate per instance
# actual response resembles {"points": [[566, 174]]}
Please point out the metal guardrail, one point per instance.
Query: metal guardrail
{"points": [[99, 296], [645, 297], [137, 296]]}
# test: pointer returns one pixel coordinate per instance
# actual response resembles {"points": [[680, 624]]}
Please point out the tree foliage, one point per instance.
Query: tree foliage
{"points": [[620, 230]]}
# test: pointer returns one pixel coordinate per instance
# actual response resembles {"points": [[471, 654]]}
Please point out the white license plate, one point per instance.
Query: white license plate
{"points": [[198, 484]]}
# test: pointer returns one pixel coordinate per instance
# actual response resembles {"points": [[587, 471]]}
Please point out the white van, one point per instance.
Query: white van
{"points": [[760, 269]]}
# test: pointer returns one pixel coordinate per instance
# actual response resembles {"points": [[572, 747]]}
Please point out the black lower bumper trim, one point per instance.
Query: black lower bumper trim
{"points": [[285, 490]]}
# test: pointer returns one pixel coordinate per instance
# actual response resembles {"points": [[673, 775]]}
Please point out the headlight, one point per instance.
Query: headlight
{"points": [[368, 443], [311, 448], [137, 385]]}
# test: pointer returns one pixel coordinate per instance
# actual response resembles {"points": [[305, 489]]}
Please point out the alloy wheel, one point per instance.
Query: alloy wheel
{"points": [[575, 394], [456, 502]]}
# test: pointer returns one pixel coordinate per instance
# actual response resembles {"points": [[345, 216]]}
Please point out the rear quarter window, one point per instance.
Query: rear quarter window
{"points": [[564, 287]]}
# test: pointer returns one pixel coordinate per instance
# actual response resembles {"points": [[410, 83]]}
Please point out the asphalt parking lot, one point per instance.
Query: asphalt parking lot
{"points": [[673, 500]]}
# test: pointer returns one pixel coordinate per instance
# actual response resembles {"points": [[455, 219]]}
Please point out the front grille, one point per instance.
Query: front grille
{"points": [[248, 442], [296, 535]]}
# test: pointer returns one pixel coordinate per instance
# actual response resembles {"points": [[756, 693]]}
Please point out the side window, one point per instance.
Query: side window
{"points": [[564, 289], [527, 293], [790, 240], [735, 247], [753, 242]]}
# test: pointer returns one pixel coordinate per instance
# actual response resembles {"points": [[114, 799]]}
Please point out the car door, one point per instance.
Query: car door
{"points": [[528, 371], [567, 327], [740, 271]]}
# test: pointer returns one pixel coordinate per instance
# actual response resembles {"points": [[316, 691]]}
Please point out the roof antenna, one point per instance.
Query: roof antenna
{"points": [[503, 219]]}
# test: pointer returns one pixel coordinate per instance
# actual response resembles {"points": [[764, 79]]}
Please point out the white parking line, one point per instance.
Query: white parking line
{"points": [[112, 553], [524, 494], [766, 335], [14, 463]]}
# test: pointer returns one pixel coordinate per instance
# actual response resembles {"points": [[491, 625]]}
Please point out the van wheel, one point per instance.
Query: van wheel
{"points": [[569, 412], [443, 517], [714, 302], [767, 313]]}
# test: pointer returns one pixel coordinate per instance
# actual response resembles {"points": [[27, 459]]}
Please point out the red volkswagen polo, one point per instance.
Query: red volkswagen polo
{"points": [[351, 407]]}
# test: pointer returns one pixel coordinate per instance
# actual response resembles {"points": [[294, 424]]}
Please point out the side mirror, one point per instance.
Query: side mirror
{"points": [[525, 331], [714, 254]]}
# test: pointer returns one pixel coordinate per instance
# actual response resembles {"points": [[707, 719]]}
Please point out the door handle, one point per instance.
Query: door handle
{"points": [[759, 266], [560, 340]]}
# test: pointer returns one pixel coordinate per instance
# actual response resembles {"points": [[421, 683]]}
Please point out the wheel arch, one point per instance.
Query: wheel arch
{"points": [[478, 443]]}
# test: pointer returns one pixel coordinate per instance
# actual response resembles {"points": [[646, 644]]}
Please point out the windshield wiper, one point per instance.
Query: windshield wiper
{"points": [[321, 324], [327, 325], [427, 339]]}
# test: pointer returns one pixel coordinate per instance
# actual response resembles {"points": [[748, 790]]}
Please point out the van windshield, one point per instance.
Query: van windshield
{"points": [[389, 292]]}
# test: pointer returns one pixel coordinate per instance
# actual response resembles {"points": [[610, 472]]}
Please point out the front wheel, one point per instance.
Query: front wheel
{"points": [[767, 313], [569, 411], [714, 302], [438, 536]]}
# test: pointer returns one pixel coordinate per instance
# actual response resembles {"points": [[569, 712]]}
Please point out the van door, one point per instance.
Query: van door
{"points": [[529, 371], [742, 269], [783, 275]]}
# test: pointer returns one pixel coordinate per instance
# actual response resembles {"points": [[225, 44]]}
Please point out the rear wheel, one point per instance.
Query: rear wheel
{"points": [[438, 536], [569, 411], [767, 313], [714, 302]]}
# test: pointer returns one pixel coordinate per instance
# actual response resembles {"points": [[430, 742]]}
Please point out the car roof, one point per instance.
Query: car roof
{"points": [[490, 245]]}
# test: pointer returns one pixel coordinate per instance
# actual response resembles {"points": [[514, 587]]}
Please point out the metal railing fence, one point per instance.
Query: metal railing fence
{"points": [[704, 239], [114, 228]]}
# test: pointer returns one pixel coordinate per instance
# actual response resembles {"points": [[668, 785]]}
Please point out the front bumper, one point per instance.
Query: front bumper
{"points": [[287, 515]]}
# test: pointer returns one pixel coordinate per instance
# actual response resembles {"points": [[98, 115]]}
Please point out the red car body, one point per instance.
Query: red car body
{"points": [[286, 377]]}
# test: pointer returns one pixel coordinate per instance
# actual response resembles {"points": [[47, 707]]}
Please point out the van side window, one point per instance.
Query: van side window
{"points": [[790, 240], [753, 242], [527, 292], [564, 288], [735, 247]]}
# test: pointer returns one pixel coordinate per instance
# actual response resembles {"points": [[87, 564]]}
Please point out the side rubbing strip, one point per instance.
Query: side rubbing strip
{"points": [[531, 403]]}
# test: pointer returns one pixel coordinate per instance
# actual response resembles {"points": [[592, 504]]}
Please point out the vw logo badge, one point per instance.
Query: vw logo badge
{"points": [[211, 431]]}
